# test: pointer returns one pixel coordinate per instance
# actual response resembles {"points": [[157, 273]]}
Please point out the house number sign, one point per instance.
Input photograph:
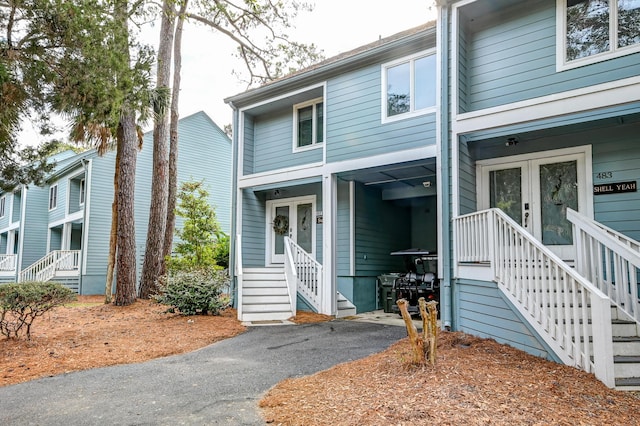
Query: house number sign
{"points": [[615, 187]]}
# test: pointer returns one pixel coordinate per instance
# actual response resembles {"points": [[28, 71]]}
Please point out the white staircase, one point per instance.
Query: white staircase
{"points": [[265, 296], [345, 307], [588, 316]]}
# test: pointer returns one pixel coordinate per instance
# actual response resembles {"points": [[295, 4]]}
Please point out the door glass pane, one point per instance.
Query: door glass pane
{"points": [[587, 28], [304, 226], [558, 190], [505, 192], [281, 218], [628, 22]]}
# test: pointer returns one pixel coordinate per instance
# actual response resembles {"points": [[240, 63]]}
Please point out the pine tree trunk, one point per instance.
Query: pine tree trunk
{"points": [[153, 258], [126, 238], [111, 263], [173, 140]]}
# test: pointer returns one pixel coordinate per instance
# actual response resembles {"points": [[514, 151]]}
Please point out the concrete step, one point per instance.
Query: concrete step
{"points": [[265, 291], [624, 328], [628, 384], [626, 366], [264, 299], [626, 345], [272, 307], [266, 316]]}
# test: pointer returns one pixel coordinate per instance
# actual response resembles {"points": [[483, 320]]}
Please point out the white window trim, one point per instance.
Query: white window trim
{"points": [[314, 143], [82, 188], [561, 40], [3, 205], [383, 88], [51, 190]]}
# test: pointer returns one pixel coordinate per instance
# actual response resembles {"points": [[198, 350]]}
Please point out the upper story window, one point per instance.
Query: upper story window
{"points": [[308, 123], [53, 197], [81, 190], [596, 30], [2, 205], [409, 86]]}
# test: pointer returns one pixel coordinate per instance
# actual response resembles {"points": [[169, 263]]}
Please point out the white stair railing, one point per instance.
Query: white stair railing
{"points": [[64, 261], [564, 308], [610, 260], [291, 275], [308, 273], [8, 262]]}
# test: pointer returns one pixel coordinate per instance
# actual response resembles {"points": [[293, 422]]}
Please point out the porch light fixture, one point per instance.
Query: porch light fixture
{"points": [[511, 142], [426, 184]]}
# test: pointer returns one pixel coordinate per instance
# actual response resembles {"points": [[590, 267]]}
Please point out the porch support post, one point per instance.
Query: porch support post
{"points": [[329, 202]]}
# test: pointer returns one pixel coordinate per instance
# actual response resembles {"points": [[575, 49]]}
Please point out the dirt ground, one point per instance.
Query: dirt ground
{"points": [[475, 381]]}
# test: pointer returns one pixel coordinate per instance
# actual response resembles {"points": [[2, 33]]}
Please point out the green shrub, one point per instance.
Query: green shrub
{"points": [[193, 292], [221, 251], [22, 303]]}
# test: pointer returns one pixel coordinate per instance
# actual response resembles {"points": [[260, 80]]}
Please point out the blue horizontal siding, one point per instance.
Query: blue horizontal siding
{"points": [[511, 57]]}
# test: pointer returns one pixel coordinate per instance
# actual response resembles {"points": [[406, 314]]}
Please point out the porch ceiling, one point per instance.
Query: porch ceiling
{"points": [[413, 175]]}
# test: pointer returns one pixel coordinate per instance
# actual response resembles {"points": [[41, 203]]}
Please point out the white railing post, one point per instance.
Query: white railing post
{"points": [[291, 275], [602, 338], [304, 275]]}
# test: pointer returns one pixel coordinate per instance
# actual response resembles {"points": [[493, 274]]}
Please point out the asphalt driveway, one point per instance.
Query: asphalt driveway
{"points": [[217, 385]]}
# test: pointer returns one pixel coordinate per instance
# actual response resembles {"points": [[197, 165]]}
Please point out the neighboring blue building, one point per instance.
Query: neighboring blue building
{"points": [[505, 136], [61, 231], [341, 158]]}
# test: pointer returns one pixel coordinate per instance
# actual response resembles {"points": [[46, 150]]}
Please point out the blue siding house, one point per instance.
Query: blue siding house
{"points": [[544, 127], [335, 169], [504, 136], [61, 231]]}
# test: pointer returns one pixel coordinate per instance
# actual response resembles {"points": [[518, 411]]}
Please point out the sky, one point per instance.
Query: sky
{"points": [[335, 26]]}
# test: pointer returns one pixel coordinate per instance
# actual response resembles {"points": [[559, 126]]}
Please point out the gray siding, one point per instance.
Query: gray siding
{"points": [[8, 201], [343, 230], [253, 230], [273, 149], [467, 175], [58, 213], [249, 143], [511, 57], [354, 127], [35, 228], [483, 311]]}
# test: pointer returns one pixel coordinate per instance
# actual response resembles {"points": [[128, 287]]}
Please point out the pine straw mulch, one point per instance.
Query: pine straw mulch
{"points": [[89, 334], [475, 382]]}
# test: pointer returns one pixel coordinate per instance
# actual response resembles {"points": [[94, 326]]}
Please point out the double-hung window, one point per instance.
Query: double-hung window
{"points": [[409, 86], [594, 30], [308, 124], [2, 205], [81, 189], [53, 197]]}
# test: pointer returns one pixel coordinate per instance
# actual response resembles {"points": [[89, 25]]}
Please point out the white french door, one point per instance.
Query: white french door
{"points": [[292, 217], [535, 190]]}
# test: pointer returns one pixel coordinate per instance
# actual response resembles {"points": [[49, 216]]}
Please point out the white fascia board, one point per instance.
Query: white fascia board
{"points": [[382, 159], [69, 218], [280, 175], [284, 96], [604, 95]]}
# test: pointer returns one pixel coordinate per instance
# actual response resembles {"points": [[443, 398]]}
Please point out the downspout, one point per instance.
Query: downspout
{"points": [[445, 167], [85, 229], [234, 200]]}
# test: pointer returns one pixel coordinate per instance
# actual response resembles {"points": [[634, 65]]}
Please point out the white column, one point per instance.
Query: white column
{"points": [[329, 201]]}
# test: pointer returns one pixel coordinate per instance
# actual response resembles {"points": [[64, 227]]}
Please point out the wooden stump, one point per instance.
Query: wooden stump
{"points": [[424, 347]]}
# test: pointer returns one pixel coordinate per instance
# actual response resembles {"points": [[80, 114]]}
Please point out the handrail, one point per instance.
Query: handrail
{"points": [[8, 262], [309, 273], [608, 259], [290, 275], [564, 308], [238, 273], [67, 261]]}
